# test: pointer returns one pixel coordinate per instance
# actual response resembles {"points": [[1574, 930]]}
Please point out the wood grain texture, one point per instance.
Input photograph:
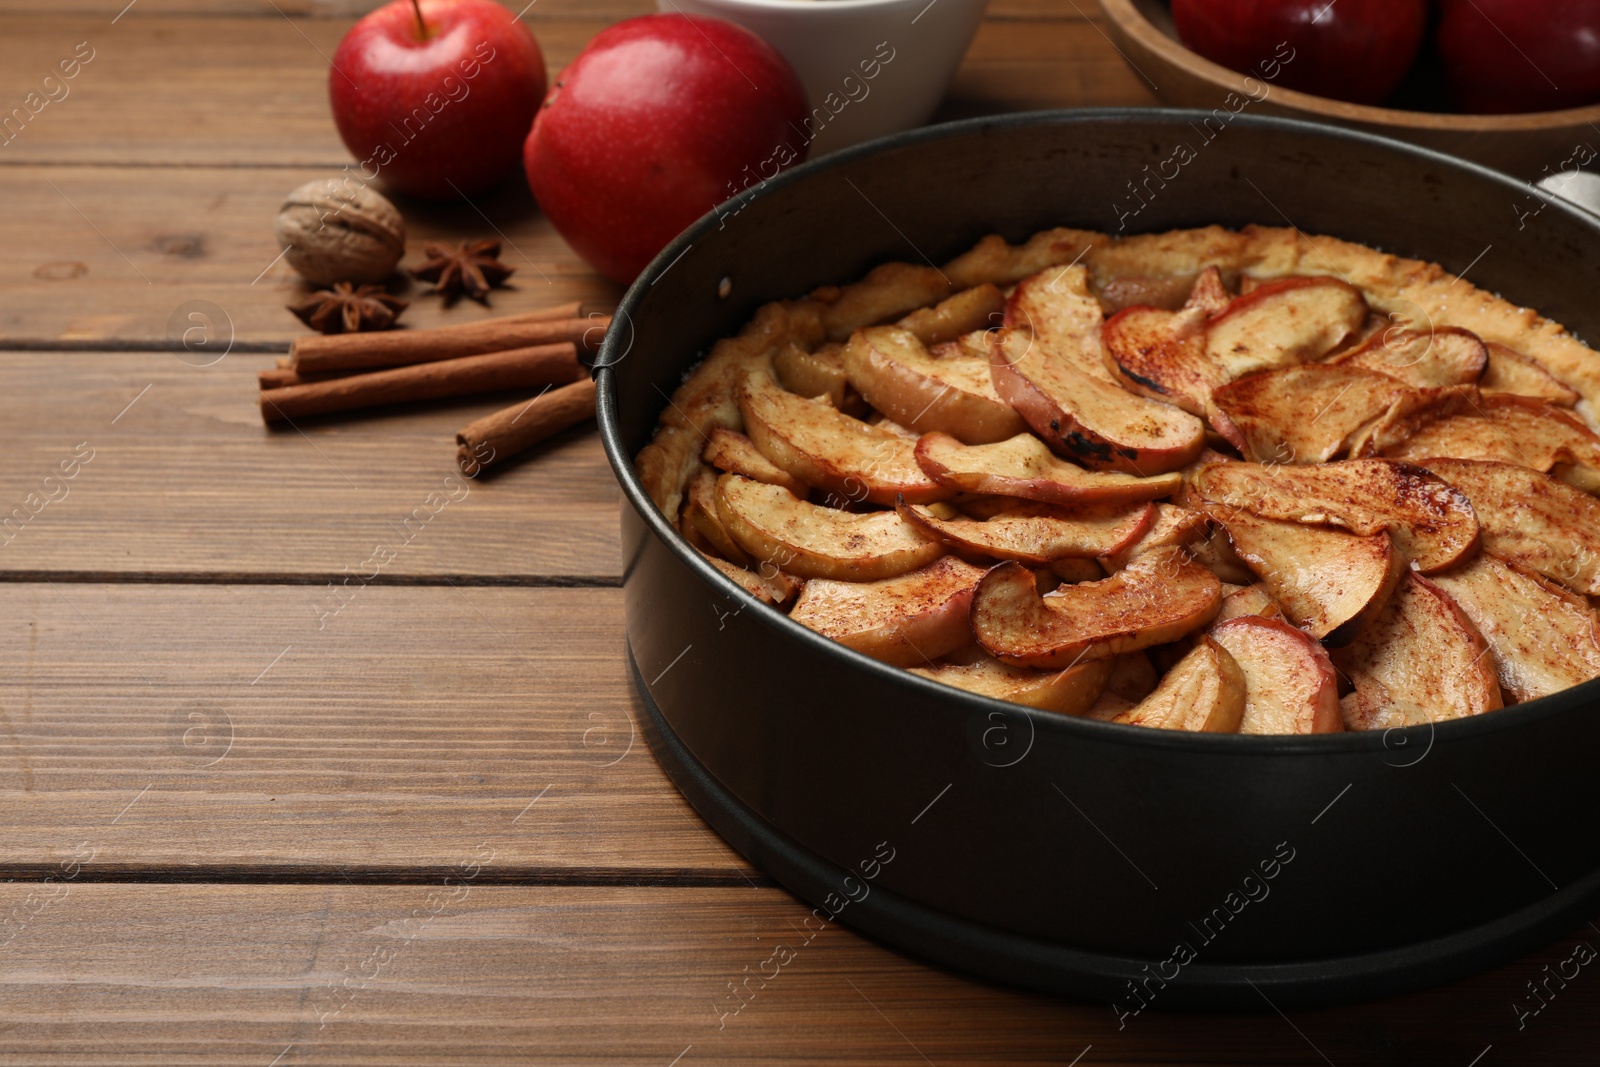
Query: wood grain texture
{"points": [[185, 481], [108, 256], [252, 89], [374, 729], [183, 699], [476, 974]]}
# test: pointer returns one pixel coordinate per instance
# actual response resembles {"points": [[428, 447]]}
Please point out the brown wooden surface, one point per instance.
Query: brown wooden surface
{"points": [[246, 791]]}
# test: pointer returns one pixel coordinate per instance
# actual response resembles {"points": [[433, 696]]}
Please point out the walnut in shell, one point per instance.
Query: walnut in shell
{"points": [[339, 230]]}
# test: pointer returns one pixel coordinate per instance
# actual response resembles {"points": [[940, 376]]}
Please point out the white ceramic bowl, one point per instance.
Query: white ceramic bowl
{"points": [[870, 67]]}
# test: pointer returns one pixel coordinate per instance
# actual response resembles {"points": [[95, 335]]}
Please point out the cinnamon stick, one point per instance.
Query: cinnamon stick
{"points": [[397, 348], [280, 377], [519, 368], [496, 438]]}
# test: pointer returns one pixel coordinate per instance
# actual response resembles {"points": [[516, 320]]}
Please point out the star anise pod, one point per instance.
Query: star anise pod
{"points": [[472, 267], [348, 309]]}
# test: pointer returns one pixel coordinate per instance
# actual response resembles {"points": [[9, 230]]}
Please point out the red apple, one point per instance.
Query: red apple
{"points": [[1356, 50], [657, 121], [1521, 55], [435, 96]]}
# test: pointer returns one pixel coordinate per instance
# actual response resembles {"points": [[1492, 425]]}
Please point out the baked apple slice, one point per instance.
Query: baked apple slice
{"points": [[1070, 692], [1543, 640], [1215, 553], [1168, 291], [1431, 521], [818, 373], [1210, 293], [777, 589], [1024, 467], [1306, 414], [1328, 582], [1036, 533], [978, 308], [1290, 686], [1093, 421], [1162, 355], [1510, 371], [1056, 308], [701, 518], [731, 451], [1513, 429], [1531, 519], [1159, 597], [1204, 692], [1421, 660], [1284, 322], [830, 450], [1173, 525], [955, 394], [774, 526], [1133, 677], [1246, 601], [909, 620], [1421, 358]]}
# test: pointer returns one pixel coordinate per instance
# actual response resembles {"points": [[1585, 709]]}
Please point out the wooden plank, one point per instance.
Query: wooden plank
{"points": [[476, 974], [184, 480], [263, 729], [536, 12], [346, 10], [100, 253], [256, 92]]}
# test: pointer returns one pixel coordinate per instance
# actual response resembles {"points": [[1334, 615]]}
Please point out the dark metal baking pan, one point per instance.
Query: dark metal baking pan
{"points": [[1062, 853]]}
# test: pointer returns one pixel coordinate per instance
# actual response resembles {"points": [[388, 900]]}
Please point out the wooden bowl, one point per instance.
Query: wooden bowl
{"points": [[1528, 145]]}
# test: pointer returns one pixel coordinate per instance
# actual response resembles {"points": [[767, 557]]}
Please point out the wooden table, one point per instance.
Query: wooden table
{"points": [[259, 811]]}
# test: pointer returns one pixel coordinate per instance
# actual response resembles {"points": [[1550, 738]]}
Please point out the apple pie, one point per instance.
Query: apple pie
{"points": [[1229, 481]]}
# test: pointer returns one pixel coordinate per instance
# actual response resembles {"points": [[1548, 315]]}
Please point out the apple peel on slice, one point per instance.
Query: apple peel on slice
{"points": [[1431, 521], [1173, 525], [1095, 422], [1024, 467], [774, 526], [1421, 660], [1543, 639], [1162, 355], [1204, 692], [1509, 371], [1282, 323], [1159, 597], [1038, 534], [1531, 519], [1513, 429], [823, 447], [1290, 684], [1246, 601], [1070, 692], [908, 620], [955, 394], [1328, 582]]}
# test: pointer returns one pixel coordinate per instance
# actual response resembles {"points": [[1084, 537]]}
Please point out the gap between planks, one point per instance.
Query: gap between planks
{"points": [[426, 874]]}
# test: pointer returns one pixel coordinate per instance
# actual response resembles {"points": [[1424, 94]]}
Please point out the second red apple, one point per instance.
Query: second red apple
{"points": [[657, 121]]}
